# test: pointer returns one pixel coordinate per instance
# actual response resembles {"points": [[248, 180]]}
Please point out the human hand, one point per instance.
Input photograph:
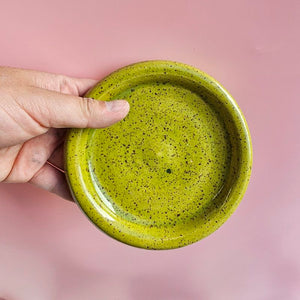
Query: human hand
{"points": [[35, 110]]}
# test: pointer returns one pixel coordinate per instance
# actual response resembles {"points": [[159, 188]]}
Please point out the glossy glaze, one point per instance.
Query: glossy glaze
{"points": [[174, 169]]}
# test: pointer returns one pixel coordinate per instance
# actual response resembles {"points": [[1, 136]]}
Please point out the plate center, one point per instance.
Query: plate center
{"points": [[166, 161]]}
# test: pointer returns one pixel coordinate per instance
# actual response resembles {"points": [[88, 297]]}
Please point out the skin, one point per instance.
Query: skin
{"points": [[35, 110]]}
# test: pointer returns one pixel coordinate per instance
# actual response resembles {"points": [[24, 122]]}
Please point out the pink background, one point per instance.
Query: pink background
{"points": [[49, 250]]}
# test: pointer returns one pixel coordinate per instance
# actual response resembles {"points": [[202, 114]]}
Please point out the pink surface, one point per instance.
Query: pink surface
{"points": [[49, 250]]}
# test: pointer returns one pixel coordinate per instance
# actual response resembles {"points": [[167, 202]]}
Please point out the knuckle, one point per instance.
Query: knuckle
{"points": [[90, 108], [87, 108], [67, 85]]}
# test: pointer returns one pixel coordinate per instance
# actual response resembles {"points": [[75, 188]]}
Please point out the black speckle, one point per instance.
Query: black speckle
{"points": [[169, 171]]}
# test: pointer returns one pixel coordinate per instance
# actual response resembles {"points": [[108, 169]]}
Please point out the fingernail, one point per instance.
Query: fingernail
{"points": [[116, 105]]}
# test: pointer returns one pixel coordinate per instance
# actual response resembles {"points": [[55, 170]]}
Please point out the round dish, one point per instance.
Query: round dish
{"points": [[174, 169]]}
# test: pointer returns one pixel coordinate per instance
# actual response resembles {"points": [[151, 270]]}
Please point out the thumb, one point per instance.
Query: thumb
{"points": [[65, 111]]}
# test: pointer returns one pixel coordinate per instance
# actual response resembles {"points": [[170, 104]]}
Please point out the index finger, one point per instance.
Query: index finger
{"points": [[50, 81]]}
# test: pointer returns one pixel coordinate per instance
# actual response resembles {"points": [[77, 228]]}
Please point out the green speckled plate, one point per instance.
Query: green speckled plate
{"points": [[174, 169]]}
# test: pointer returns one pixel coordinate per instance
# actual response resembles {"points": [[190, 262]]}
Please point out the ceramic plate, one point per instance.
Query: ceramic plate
{"points": [[174, 169]]}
